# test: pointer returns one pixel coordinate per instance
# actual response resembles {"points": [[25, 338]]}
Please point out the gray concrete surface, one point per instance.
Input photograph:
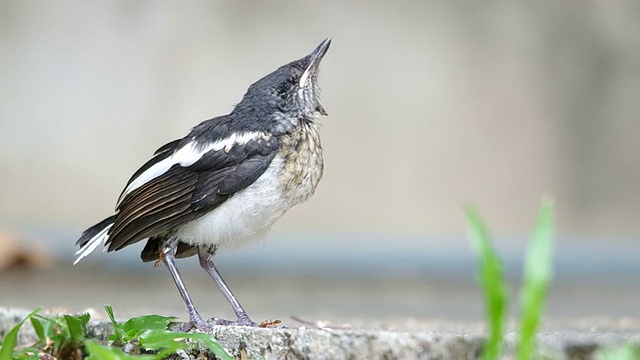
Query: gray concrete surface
{"points": [[383, 296], [335, 344], [435, 316]]}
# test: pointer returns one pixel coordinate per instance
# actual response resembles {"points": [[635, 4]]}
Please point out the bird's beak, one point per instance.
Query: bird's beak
{"points": [[314, 61]]}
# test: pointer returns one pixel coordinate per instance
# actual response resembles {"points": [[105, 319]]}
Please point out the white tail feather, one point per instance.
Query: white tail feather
{"points": [[99, 239]]}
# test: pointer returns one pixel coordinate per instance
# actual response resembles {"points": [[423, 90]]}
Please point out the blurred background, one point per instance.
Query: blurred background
{"points": [[432, 105]]}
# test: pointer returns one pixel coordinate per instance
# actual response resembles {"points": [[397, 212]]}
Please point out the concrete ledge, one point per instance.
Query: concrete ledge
{"points": [[305, 343]]}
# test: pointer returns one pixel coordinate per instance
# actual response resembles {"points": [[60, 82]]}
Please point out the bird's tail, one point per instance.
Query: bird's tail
{"points": [[93, 237]]}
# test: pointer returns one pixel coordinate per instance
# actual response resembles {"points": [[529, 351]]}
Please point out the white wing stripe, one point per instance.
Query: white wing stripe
{"points": [[188, 155]]}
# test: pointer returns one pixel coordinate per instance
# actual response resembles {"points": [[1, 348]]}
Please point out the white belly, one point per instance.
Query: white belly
{"points": [[246, 215]]}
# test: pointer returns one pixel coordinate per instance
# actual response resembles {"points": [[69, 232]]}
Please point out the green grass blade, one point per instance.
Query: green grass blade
{"points": [[537, 276], [492, 281], [11, 339], [118, 333]]}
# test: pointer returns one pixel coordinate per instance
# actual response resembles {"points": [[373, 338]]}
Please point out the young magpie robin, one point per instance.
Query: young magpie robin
{"points": [[224, 183]]}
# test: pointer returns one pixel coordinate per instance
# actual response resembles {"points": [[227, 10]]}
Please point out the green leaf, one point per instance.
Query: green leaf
{"points": [[39, 328], [151, 333], [213, 346], [537, 277], [99, 352], [56, 330], [11, 339], [77, 326], [162, 339], [48, 327], [169, 342], [84, 318], [492, 280], [133, 327]]}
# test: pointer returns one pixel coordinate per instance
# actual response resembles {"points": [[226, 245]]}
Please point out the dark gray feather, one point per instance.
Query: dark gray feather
{"points": [[183, 194]]}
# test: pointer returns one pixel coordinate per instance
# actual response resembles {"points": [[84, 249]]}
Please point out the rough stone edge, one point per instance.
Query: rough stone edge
{"points": [[303, 343]]}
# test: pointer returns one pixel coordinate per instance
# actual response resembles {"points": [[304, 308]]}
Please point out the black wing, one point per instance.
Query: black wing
{"points": [[183, 194], [162, 153]]}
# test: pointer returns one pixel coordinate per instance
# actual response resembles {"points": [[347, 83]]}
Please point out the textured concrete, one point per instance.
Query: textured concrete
{"points": [[325, 343]]}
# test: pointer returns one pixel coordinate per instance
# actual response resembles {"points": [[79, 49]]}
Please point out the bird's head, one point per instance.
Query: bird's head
{"points": [[290, 94]]}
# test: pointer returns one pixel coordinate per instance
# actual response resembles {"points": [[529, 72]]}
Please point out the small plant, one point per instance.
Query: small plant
{"points": [[60, 337], [624, 352], [151, 333], [64, 337], [492, 281], [536, 278], [538, 272], [11, 339]]}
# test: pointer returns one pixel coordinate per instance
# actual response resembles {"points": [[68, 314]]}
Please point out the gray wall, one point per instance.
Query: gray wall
{"points": [[433, 104]]}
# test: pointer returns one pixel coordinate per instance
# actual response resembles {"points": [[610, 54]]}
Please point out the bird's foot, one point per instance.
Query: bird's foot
{"points": [[242, 321], [195, 323]]}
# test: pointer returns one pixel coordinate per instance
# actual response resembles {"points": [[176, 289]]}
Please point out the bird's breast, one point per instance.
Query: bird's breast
{"points": [[290, 179], [303, 164]]}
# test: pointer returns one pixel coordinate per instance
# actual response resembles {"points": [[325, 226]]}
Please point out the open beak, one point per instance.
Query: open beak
{"points": [[314, 60]]}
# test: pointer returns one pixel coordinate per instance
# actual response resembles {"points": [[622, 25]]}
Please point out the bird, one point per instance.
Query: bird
{"points": [[225, 183]]}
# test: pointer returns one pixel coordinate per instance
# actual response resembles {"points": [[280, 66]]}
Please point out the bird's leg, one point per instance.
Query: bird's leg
{"points": [[210, 268], [168, 257]]}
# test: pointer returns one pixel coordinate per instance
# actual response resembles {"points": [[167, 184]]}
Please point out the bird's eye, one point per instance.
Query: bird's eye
{"points": [[284, 87]]}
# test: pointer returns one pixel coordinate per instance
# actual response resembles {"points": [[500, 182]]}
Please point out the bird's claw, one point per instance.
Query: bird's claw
{"points": [[242, 321], [198, 324]]}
